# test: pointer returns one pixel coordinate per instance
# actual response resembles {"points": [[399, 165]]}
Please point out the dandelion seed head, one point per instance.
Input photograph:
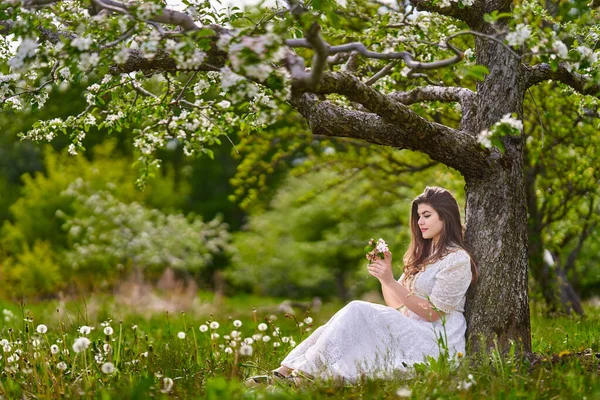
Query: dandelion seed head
{"points": [[246, 350], [262, 327], [81, 344], [108, 368], [203, 328], [61, 365], [41, 328], [266, 338], [214, 325], [85, 330], [54, 349], [228, 350], [108, 330], [237, 323], [181, 335], [167, 385]]}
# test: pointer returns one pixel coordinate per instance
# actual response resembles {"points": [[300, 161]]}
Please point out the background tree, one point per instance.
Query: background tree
{"points": [[134, 50], [562, 191]]}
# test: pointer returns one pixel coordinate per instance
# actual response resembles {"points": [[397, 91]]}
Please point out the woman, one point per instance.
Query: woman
{"points": [[424, 312]]}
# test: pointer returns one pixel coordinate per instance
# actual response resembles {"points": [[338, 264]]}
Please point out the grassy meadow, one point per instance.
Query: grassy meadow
{"points": [[98, 348]]}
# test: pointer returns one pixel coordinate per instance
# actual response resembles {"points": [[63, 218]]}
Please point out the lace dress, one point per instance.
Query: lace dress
{"points": [[379, 341]]}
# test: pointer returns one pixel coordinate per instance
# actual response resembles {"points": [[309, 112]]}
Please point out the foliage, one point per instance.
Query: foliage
{"points": [[313, 233], [173, 356], [144, 232], [197, 108], [33, 273], [563, 148], [105, 233]]}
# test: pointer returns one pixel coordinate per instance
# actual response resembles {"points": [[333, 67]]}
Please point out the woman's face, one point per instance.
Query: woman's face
{"points": [[429, 222]]}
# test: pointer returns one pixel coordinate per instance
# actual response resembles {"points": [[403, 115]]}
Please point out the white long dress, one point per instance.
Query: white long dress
{"points": [[379, 341]]}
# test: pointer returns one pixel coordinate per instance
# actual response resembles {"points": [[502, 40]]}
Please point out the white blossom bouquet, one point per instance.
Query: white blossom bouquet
{"points": [[376, 248]]}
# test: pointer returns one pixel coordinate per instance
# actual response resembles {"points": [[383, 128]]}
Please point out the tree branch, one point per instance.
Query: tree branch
{"points": [[434, 93], [543, 72], [398, 127], [468, 15]]}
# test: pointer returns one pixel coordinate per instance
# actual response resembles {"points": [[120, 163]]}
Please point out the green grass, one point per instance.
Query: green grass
{"points": [[149, 356]]}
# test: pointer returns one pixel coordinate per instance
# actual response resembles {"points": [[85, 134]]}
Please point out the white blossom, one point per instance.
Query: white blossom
{"points": [[484, 138], [507, 119], [561, 49], [88, 60], [519, 36], [587, 54], [82, 43], [382, 246], [229, 78], [72, 150], [122, 56], [224, 104]]}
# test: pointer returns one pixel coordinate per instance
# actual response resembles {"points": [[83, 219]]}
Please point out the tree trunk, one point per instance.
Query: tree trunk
{"points": [[340, 281], [498, 304], [569, 299], [540, 271], [496, 214]]}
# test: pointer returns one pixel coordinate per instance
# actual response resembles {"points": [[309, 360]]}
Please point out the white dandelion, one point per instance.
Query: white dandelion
{"points": [[108, 368], [246, 350], [81, 344]]}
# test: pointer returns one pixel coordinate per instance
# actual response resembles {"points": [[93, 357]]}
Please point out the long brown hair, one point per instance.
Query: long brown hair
{"points": [[421, 251]]}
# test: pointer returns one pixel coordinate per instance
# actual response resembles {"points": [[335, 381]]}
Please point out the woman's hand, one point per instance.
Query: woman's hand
{"points": [[382, 269]]}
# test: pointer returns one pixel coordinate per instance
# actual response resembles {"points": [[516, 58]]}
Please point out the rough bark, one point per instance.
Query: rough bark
{"points": [[496, 214]]}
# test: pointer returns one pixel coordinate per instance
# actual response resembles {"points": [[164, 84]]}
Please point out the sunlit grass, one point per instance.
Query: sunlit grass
{"points": [[191, 355]]}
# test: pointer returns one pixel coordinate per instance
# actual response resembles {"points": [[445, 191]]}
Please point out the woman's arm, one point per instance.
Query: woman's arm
{"points": [[390, 297], [396, 295], [422, 307]]}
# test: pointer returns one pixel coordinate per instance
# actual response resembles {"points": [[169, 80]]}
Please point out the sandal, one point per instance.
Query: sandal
{"points": [[258, 380]]}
